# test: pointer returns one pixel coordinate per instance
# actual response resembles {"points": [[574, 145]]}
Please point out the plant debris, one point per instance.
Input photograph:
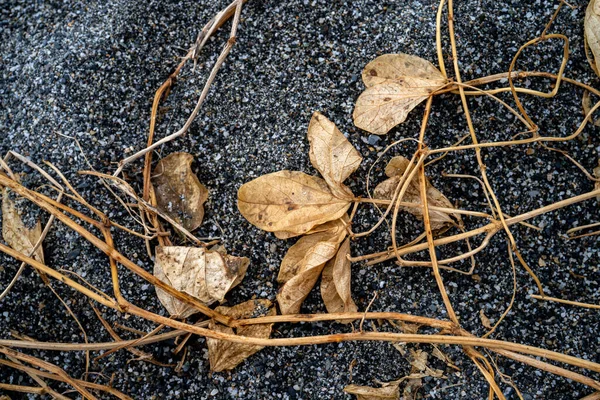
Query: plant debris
{"points": [[205, 274], [179, 193], [224, 355], [396, 83]]}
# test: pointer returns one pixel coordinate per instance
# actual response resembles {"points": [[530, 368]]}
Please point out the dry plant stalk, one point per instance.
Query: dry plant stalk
{"points": [[297, 204]]}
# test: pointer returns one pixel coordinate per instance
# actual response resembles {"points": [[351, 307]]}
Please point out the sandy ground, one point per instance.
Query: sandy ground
{"points": [[89, 70]]}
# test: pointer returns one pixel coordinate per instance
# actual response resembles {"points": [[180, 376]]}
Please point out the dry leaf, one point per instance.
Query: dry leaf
{"points": [[396, 83], [289, 201], [15, 232], [206, 275], [592, 32], [388, 391], [332, 154], [385, 190], [224, 355], [179, 193], [304, 262], [335, 282], [485, 321], [586, 103]]}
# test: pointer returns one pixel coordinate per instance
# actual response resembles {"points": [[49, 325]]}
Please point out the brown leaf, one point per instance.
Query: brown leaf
{"points": [[224, 355], [206, 275], [15, 232], [179, 193], [396, 83], [485, 321], [335, 282], [289, 201], [586, 103], [385, 190], [592, 32], [332, 154], [413, 70], [303, 264], [388, 391]]}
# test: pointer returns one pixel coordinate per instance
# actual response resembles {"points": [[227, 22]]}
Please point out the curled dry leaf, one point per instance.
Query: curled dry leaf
{"points": [[14, 231], [304, 262], [206, 275], [224, 355], [485, 321], [386, 189], [179, 193], [388, 391], [586, 103], [289, 201], [396, 83], [332, 154], [335, 282], [592, 32]]}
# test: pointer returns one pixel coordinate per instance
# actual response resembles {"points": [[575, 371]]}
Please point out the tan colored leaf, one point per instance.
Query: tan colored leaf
{"points": [[386, 189], [586, 103], [303, 264], [179, 193], [15, 232], [335, 282], [485, 321], [289, 201], [224, 355], [412, 70], [206, 275], [396, 83], [387, 392], [592, 32], [331, 226], [332, 154]]}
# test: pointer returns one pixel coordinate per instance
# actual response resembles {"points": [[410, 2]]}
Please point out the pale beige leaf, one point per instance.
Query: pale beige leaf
{"points": [[332, 154], [485, 321], [387, 392], [592, 31], [386, 189], [206, 275], [380, 108], [223, 355], [331, 226], [336, 283], [179, 193], [411, 70], [586, 103], [396, 83], [289, 201], [303, 264], [14, 231]]}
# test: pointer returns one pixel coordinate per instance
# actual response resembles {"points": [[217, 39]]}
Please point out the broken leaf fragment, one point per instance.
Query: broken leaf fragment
{"points": [[179, 193], [15, 232], [332, 154], [206, 275], [592, 33], [289, 201], [302, 265], [388, 391], [224, 355], [336, 284], [597, 176], [386, 189], [396, 83]]}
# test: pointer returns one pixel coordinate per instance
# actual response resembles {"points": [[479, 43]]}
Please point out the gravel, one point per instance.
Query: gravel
{"points": [[88, 70]]}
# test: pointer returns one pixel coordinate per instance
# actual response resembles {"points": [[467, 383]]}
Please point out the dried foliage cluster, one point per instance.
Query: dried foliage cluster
{"points": [[319, 210]]}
